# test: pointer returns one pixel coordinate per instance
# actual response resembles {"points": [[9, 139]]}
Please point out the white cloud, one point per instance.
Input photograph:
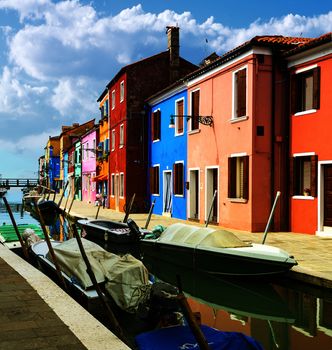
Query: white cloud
{"points": [[75, 98], [18, 98], [33, 9]]}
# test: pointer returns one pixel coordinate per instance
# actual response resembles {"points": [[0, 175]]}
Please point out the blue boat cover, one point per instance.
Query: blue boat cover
{"points": [[182, 338]]}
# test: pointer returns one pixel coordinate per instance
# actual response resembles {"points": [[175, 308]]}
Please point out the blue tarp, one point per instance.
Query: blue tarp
{"points": [[182, 338]]}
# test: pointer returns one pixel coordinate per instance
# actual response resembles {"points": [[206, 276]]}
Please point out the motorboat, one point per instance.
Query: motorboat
{"points": [[214, 251]]}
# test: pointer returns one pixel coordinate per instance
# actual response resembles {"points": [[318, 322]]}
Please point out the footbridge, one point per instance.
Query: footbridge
{"points": [[14, 182]]}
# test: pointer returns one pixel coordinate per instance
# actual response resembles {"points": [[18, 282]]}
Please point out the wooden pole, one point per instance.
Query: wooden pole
{"points": [[270, 217], [99, 205], [63, 193], [211, 207], [50, 248], [150, 213], [198, 334], [92, 276], [125, 219], [24, 248]]}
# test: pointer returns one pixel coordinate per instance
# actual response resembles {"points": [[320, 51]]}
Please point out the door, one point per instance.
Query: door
{"points": [[211, 201], [193, 194], [167, 191], [328, 195], [116, 191]]}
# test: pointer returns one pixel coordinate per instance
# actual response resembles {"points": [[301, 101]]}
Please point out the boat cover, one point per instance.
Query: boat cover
{"points": [[126, 277], [181, 337], [201, 236]]}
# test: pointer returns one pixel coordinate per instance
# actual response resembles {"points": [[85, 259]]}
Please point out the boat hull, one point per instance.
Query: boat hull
{"points": [[210, 261]]}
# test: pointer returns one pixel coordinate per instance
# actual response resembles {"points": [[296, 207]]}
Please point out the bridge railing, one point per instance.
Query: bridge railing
{"points": [[18, 182]]}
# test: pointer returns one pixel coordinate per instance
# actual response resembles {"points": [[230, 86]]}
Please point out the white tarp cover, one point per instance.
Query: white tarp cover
{"points": [[200, 236], [126, 277]]}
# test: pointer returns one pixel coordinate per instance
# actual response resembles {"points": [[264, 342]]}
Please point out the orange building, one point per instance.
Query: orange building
{"points": [[103, 149], [243, 157], [310, 68]]}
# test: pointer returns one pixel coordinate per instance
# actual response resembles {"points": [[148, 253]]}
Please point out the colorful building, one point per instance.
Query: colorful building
{"points": [[103, 149], [128, 120], [310, 68], [52, 163], [89, 146], [168, 151], [242, 158], [78, 169]]}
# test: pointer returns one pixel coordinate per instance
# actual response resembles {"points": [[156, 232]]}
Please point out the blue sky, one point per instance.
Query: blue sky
{"points": [[56, 57]]}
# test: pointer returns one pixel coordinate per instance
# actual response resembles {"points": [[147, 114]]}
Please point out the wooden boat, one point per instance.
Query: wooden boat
{"points": [[181, 337], [9, 237], [214, 251]]}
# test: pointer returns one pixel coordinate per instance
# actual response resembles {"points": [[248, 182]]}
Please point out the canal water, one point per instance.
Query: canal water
{"points": [[281, 314]]}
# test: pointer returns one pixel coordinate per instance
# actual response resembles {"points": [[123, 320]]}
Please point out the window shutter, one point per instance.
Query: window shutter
{"points": [[152, 180], [246, 177], [158, 125], [293, 95], [195, 110], [316, 88], [180, 120], [174, 179], [231, 177], [181, 178], [153, 116], [241, 93], [313, 178]]}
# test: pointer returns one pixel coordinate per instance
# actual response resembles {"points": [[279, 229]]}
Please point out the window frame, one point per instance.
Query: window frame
{"points": [[298, 188], [113, 99], [122, 91], [121, 136], [179, 119], [235, 94], [112, 184], [194, 109], [155, 180], [121, 189], [298, 90], [113, 140], [156, 125], [235, 182], [178, 179]]}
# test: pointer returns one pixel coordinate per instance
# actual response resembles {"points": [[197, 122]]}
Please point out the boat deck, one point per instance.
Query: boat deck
{"points": [[36, 314]]}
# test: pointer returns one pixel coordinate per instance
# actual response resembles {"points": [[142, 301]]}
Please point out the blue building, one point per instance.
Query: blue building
{"points": [[168, 151]]}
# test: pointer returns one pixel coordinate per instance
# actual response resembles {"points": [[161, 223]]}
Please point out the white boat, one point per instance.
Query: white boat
{"points": [[215, 251]]}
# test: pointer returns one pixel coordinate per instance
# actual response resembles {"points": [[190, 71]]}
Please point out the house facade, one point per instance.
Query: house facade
{"points": [[89, 146], [168, 151], [52, 163], [310, 68], [240, 158], [128, 120], [103, 149], [78, 169]]}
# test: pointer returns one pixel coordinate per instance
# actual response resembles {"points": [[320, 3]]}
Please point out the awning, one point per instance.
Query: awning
{"points": [[100, 178]]}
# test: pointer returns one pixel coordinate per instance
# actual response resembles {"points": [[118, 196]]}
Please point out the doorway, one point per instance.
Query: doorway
{"points": [[194, 194], [167, 193], [211, 188]]}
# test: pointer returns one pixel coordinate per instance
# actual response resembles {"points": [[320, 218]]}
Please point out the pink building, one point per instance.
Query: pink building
{"points": [[88, 142]]}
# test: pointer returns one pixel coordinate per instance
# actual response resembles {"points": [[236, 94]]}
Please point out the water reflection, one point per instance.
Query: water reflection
{"points": [[279, 314]]}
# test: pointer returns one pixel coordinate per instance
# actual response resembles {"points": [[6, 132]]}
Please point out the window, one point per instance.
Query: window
{"points": [[304, 170], [113, 99], [86, 151], [305, 90], [240, 93], [238, 177], [112, 184], [179, 121], [121, 135], [93, 147], [155, 125], [154, 179], [83, 154], [93, 183], [121, 184], [113, 140], [106, 109], [194, 110], [121, 91], [178, 179]]}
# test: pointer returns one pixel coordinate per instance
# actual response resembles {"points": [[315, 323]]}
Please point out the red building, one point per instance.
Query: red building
{"points": [[127, 91], [310, 68]]}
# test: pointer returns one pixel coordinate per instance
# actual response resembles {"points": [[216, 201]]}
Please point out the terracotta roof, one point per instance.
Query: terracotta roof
{"points": [[323, 39]]}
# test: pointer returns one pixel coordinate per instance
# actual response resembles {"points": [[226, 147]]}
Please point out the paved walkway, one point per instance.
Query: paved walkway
{"points": [[313, 254], [36, 314]]}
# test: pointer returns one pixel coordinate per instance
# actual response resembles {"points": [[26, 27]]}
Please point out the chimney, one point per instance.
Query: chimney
{"points": [[173, 42]]}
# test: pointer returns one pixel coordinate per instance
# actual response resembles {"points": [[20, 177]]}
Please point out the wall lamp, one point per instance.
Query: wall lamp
{"points": [[205, 120]]}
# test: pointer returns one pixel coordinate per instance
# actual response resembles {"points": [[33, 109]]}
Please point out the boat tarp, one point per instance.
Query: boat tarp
{"points": [[126, 277], [181, 337], [201, 236]]}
